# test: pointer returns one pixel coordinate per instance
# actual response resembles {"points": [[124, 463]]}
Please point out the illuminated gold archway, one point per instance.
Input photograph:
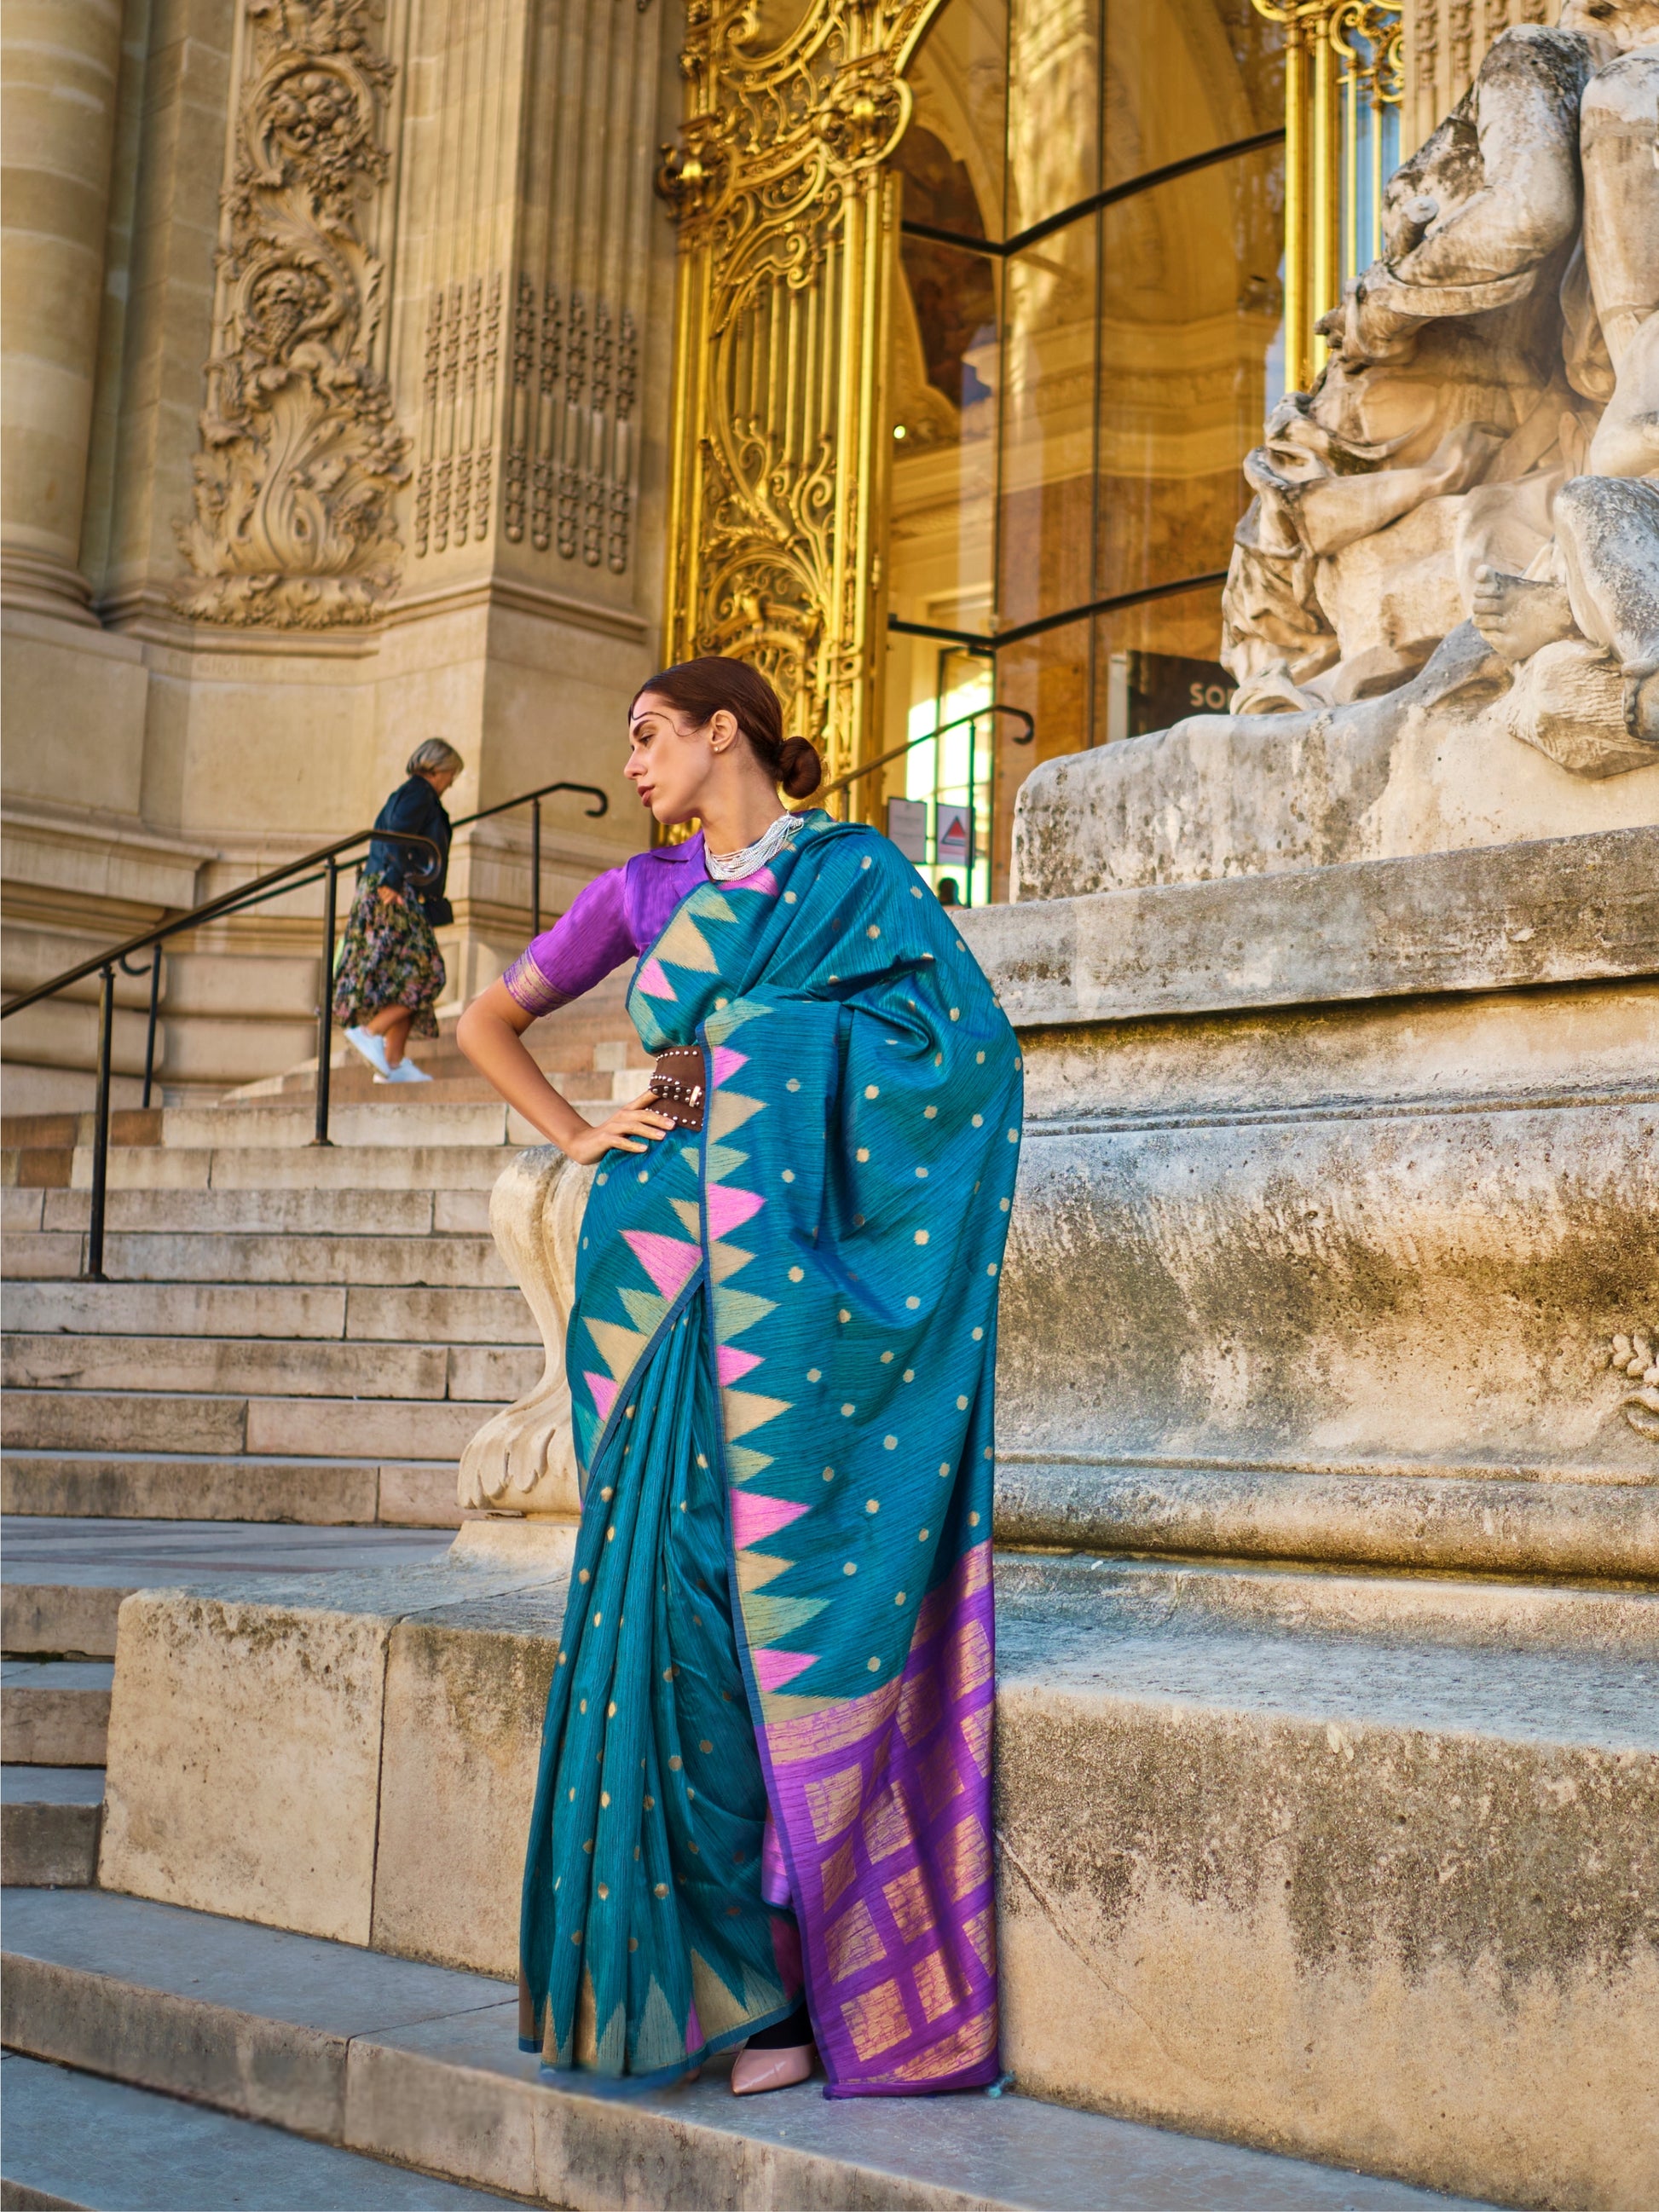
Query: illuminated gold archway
{"points": [[780, 442]]}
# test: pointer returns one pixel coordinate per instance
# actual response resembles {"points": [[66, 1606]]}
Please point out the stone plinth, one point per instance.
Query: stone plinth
{"points": [[353, 1758], [1338, 1190], [1347, 1867], [1427, 768]]}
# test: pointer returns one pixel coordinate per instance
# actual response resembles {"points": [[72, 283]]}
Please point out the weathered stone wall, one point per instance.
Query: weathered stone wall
{"points": [[1338, 1189]]}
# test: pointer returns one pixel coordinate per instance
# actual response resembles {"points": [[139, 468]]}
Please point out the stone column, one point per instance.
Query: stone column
{"points": [[61, 62]]}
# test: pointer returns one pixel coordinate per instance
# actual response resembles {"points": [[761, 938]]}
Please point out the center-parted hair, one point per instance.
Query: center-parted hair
{"points": [[702, 687]]}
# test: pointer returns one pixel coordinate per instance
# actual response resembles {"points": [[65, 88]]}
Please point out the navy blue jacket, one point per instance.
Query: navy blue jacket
{"points": [[416, 808]]}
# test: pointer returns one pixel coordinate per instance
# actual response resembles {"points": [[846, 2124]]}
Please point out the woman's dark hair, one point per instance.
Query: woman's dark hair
{"points": [[703, 686]]}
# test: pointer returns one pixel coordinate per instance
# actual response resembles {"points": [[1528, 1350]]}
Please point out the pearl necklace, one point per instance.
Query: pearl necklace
{"points": [[727, 867]]}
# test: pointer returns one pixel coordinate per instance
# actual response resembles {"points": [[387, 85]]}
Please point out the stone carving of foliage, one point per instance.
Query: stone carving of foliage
{"points": [[301, 458]]}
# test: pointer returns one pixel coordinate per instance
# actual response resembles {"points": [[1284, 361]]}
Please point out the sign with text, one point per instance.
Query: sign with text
{"points": [[906, 825]]}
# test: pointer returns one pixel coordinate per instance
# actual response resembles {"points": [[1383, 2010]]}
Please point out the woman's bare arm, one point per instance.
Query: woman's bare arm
{"points": [[491, 1035]]}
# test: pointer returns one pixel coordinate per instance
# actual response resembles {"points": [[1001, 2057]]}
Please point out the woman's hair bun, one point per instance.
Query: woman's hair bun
{"points": [[799, 770]]}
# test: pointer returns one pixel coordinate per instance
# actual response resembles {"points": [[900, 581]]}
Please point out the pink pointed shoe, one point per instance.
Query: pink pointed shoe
{"points": [[754, 2071]]}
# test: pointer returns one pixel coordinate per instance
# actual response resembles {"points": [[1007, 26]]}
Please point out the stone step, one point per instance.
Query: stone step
{"points": [[1265, 1839], [451, 1082], [461, 1262], [38, 1168], [146, 1421], [249, 1367], [77, 2142], [384, 1121], [69, 1619], [49, 1817], [44, 1256], [420, 1167], [396, 2059], [191, 1486], [55, 1712], [128, 1125], [273, 1308], [65, 1580], [301, 1213]]}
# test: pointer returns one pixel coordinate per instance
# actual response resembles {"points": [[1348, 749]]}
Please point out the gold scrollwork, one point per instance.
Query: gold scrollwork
{"points": [[1344, 62], [781, 441]]}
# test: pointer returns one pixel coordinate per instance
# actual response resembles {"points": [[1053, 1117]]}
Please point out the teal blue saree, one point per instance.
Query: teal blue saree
{"points": [[766, 1763]]}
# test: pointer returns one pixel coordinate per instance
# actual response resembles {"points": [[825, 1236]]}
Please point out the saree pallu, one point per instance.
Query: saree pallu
{"points": [[768, 1749]]}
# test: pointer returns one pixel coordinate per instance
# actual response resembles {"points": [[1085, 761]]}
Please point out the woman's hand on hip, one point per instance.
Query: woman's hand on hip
{"points": [[491, 1035], [389, 897], [631, 1129]]}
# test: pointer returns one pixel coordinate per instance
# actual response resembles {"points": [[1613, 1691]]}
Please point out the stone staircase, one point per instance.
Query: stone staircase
{"points": [[360, 2058], [286, 1334]]}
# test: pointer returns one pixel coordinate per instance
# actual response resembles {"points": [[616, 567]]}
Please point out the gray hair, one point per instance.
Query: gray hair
{"points": [[432, 756]]}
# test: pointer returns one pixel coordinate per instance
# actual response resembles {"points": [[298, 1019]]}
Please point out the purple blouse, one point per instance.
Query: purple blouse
{"points": [[618, 915]]}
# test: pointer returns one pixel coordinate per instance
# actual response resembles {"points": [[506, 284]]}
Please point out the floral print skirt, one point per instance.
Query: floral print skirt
{"points": [[389, 957]]}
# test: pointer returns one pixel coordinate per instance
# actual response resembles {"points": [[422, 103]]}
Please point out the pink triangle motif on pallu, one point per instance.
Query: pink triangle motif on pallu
{"points": [[653, 982], [734, 1365], [754, 1519], [605, 1393], [761, 880], [774, 1670], [727, 1209], [727, 1063], [669, 1263]]}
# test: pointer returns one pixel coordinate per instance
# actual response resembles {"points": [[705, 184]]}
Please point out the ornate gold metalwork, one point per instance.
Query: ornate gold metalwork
{"points": [[781, 441], [1344, 62]]}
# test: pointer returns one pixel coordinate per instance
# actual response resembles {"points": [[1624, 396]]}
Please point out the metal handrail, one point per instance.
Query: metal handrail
{"points": [[534, 800], [321, 867], [971, 722]]}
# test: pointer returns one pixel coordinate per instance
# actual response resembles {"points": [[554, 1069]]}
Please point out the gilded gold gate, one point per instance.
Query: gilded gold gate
{"points": [[782, 440], [782, 445]]}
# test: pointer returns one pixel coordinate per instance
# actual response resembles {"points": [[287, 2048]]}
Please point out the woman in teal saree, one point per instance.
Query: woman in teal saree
{"points": [[763, 1809]]}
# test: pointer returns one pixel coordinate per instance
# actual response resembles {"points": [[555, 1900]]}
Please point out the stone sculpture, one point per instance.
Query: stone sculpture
{"points": [[524, 1461], [1484, 440], [1453, 540]]}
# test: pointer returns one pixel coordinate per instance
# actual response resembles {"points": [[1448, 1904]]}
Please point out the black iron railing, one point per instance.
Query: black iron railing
{"points": [[321, 867], [970, 723]]}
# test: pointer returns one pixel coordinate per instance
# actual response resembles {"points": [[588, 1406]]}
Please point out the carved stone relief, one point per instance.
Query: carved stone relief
{"points": [[293, 522], [1445, 40], [453, 481], [569, 464], [1634, 1356]]}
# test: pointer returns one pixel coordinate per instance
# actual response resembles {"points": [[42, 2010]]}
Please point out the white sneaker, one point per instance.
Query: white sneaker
{"points": [[370, 1047], [404, 1071]]}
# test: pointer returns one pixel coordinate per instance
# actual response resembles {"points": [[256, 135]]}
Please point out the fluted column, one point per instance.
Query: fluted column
{"points": [[61, 61]]}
